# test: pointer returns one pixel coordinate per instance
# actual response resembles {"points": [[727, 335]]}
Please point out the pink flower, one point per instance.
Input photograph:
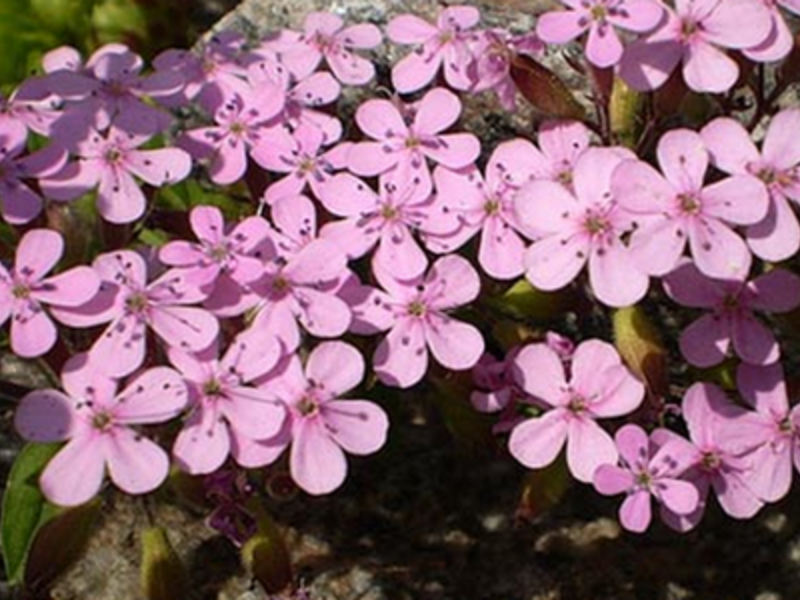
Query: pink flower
{"points": [[772, 432], [580, 226], [404, 144], [100, 425], [415, 311], [299, 283], [321, 425], [780, 40], [300, 155], [718, 464], [110, 162], [777, 236], [131, 305], [598, 386], [26, 290], [241, 123], [387, 219], [223, 404], [487, 206], [732, 303], [693, 35], [676, 206], [493, 51], [561, 143], [599, 18], [227, 257], [325, 36], [649, 469], [443, 44]]}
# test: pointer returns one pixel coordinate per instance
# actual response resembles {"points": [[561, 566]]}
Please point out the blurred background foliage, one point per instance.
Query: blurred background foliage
{"points": [[29, 28]]}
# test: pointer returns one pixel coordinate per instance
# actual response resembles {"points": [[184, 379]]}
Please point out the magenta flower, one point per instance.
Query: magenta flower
{"points": [[695, 35], [404, 144], [223, 404], [731, 320], [582, 226], [225, 259], [777, 236], [325, 36], [387, 220], [110, 162], [100, 426], [131, 305], [19, 204], [25, 291], [441, 45], [772, 432], [487, 206], [676, 206], [598, 386], [415, 311], [304, 102], [718, 464], [321, 425], [649, 470], [599, 18], [300, 155]]}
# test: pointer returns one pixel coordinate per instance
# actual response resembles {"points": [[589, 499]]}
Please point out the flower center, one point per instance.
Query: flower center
{"points": [[689, 28], [212, 388], [389, 212], [417, 308], [113, 155], [786, 426], [492, 206], [413, 142], [689, 204], [136, 302], [596, 224], [306, 165], [218, 253], [711, 461], [577, 404], [102, 421], [643, 479], [598, 12], [21, 291], [307, 406]]}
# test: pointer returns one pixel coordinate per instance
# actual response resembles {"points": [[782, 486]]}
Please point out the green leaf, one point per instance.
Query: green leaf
{"points": [[24, 506], [522, 300], [265, 555], [162, 575]]}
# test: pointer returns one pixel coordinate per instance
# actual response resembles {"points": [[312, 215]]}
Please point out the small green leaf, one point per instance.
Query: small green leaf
{"points": [[542, 489], [468, 427], [265, 555], [639, 343], [544, 89], [522, 300], [24, 506]]}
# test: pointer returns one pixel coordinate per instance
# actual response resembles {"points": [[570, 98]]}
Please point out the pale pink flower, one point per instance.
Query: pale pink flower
{"points": [[298, 154], [600, 18], [598, 386], [442, 45], [322, 426], [561, 143], [404, 142], [717, 464], [677, 206], [585, 225], [100, 426], [415, 311], [696, 34], [26, 290], [486, 205], [777, 236], [226, 258], [223, 402], [780, 40], [324, 36], [649, 470], [385, 220], [242, 122], [304, 103], [731, 320], [771, 434], [111, 163], [132, 305]]}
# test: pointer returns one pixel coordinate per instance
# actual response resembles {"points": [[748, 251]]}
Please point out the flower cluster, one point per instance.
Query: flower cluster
{"points": [[241, 338]]}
